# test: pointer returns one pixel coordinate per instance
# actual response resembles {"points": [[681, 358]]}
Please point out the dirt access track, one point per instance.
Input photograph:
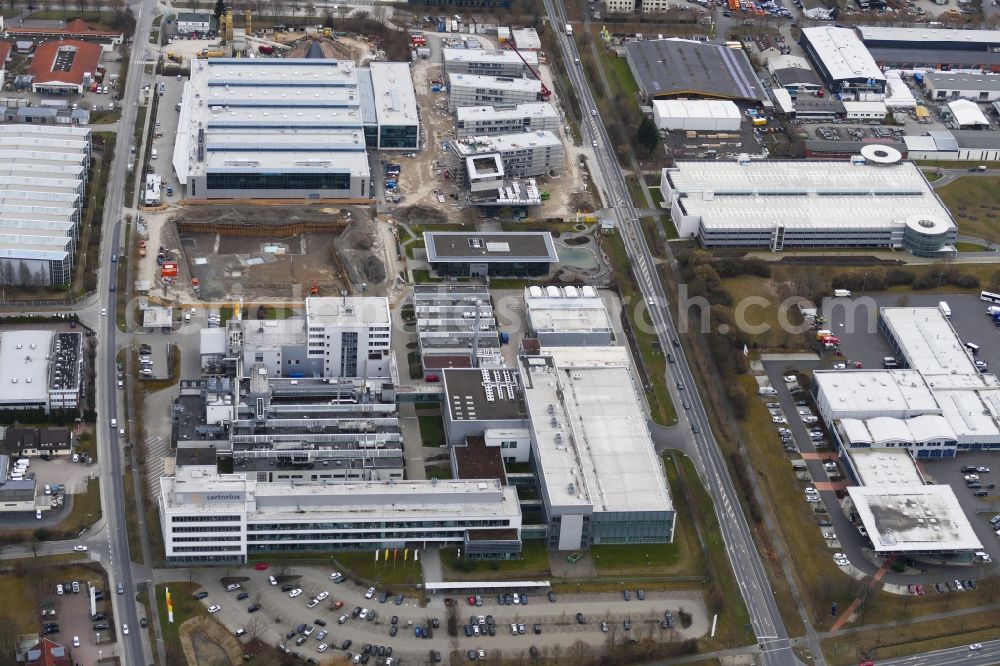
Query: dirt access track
{"points": [[208, 643], [275, 251]]}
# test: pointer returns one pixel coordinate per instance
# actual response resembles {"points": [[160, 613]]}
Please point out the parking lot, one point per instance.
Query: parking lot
{"points": [[281, 614], [73, 615], [61, 470]]}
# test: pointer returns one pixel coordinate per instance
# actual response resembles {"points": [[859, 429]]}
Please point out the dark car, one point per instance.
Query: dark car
{"points": [[383, 597], [436, 623], [468, 630], [143, 622], [320, 622], [537, 628], [253, 608], [552, 596], [200, 595], [98, 616], [394, 629], [242, 595], [580, 619], [287, 588], [627, 595], [670, 357], [101, 627], [346, 644], [300, 629], [641, 593], [290, 635]]}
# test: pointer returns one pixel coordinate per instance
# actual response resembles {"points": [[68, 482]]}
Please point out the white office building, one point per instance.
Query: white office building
{"points": [[488, 62], [208, 517], [487, 161], [473, 121], [476, 90], [191, 22], [40, 370], [600, 479], [568, 316], [810, 204], [338, 337]]}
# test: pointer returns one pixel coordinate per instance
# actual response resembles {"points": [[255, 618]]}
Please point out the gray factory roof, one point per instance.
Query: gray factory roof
{"points": [[347, 311], [676, 67], [842, 53], [925, 56], [589, 432], [792, 75], [916, 518], [488, 55], [526, 110], [483, 394], [511, 246], [873, 34], [954, 81], [395, 100]]}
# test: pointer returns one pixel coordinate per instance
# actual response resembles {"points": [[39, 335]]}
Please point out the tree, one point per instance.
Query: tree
{"points": [[255, 628], [647, 135], [220, 9]]}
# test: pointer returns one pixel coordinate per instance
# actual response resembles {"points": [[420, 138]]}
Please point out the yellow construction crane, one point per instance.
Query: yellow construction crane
{"points": [[248, 25]]}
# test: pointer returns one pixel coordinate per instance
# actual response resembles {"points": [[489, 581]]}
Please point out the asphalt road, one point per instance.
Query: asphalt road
{"points": [[746, 562], [112, 495], [988, 655]]}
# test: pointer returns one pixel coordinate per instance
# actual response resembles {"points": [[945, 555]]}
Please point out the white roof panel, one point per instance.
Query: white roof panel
{"points": [[843, 54], [916, 518]]}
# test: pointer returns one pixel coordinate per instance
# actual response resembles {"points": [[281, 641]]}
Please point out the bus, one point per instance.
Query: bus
{"points": [[989, 297]]}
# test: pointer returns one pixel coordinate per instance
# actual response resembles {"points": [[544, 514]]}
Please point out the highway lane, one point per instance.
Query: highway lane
{"points": [[988, 655], [746, 562], [109, 450]]}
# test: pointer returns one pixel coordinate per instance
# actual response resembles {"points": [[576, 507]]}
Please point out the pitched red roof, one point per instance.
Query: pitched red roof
{"points": [[48, 653], [87, 58], [75, 28], [4, 52]]}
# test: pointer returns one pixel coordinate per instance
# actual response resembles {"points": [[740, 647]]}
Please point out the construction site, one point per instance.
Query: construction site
{"points": [[214, 253]]}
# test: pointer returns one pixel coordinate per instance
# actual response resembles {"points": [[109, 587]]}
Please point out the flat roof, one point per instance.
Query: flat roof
{"points": [[793, 75], [954, 81], [515, 112], [494, 82], [843, 54], [930, 56], [24, 365], [914, 518], [875, 391], [875, 34], [503, 143], [157, 317], [885, 467], [928, 342], [347, 311], [526, 38], [475, 460], [483, 394], [395, 99], [567, 310], [502, 247], [498, 56], [590, 440], [678, 67], [805, 193], [885, 431]]}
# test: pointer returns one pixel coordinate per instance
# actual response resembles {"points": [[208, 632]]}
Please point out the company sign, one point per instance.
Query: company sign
{"points": [[211, 498]]}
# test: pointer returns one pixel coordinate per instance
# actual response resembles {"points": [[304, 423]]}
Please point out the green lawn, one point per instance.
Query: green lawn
{"points": [[431, 430], [635, 556], [363, 564], [623, 74], [974, 201], [657, 195], [534, 562], [185, 607], [970, 247]]}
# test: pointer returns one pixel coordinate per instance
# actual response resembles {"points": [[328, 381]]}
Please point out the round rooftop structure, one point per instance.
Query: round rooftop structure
{"points": [[881, 154], [926, 235]]}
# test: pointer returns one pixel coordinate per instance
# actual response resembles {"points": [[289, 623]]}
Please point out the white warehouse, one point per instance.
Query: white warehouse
{"points": [[809, 203], [698, 115]]}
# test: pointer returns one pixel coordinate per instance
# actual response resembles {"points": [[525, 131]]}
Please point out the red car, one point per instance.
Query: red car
{"points": [[261, 567], [472, 600]]}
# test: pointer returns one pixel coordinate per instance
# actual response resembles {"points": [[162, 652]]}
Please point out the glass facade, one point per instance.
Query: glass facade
{"points": [[279, 181], [398, 136], [349, 354]]}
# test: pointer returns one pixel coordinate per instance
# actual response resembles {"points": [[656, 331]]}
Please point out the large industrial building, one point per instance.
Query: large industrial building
{"points": [[697, 115], [290, 128], [936, 405], [478, 90], [473, 121], [951, 85], [798, 204], [64, 67], [43, 174], [209, 517], [933, 48], [843, 62], [600, 479], [665, 68], [954, 145], [488, 62], [40, 370]]}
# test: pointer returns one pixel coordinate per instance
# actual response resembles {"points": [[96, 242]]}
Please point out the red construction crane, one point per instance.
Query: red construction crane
{"points": [[546, 93]]}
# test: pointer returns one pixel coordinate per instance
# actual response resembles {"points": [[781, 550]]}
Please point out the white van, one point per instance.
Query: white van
{"points": [[972, 347], [153, 155]]}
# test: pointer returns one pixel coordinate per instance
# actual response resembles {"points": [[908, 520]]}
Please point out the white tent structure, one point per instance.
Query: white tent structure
{"points": [[699, 115], [967, 114]]}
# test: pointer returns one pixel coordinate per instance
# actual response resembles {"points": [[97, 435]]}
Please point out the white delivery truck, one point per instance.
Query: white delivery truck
{"points": [[569, 30], [945, 310], [841, 292]]}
